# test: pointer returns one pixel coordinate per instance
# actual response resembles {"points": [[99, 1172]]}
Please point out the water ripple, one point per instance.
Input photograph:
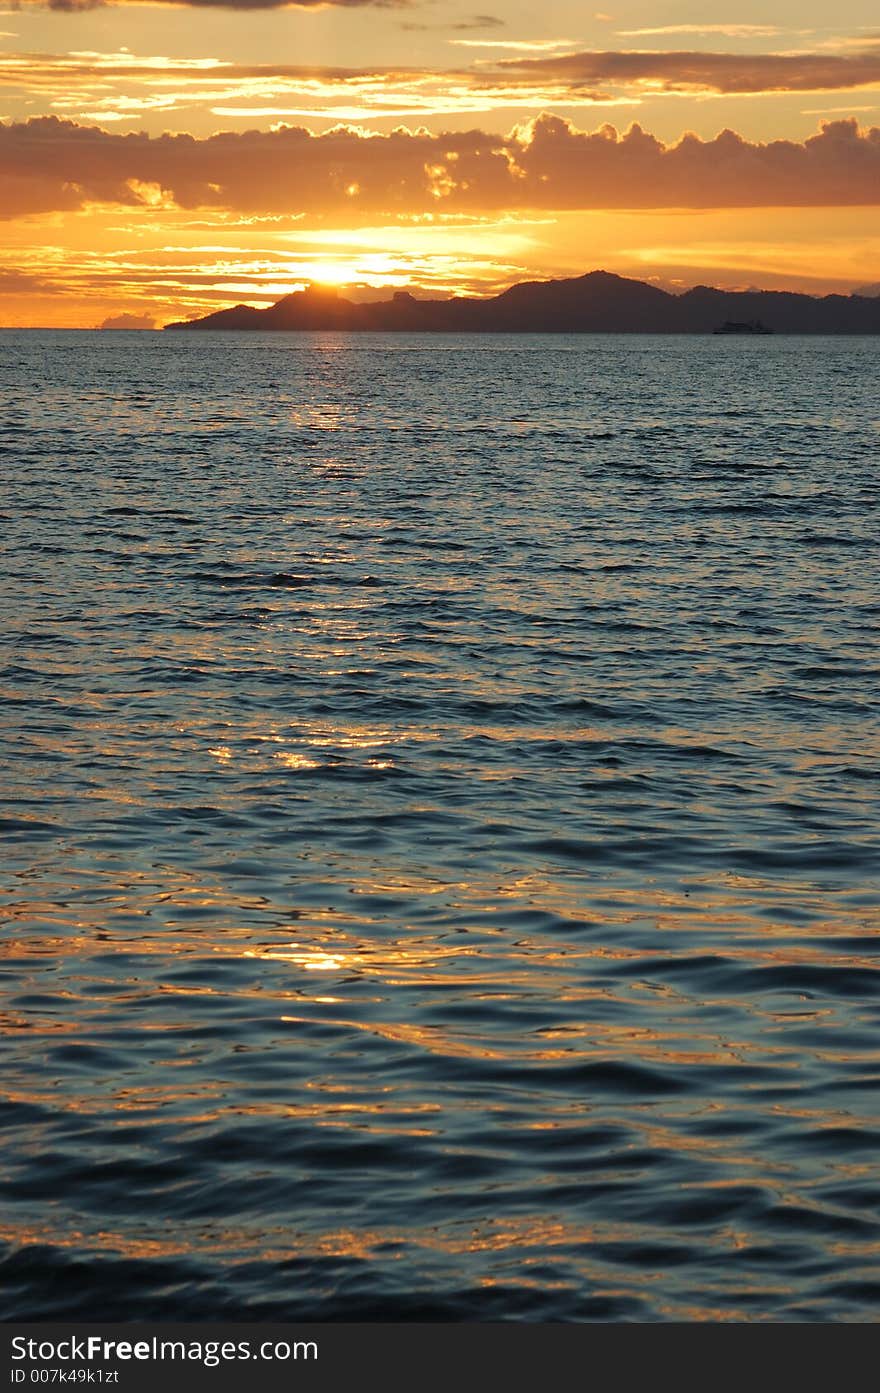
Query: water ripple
{"points": [[440, 828]]}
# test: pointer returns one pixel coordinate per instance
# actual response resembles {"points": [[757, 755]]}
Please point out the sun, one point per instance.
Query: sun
{"points": [[333, 273], [366, 268]]}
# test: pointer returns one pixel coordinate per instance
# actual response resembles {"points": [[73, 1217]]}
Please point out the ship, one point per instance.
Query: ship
{"points": [[748, 326]]}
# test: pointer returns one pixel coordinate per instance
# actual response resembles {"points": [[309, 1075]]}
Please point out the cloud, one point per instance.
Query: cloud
{"points": [[15, 282], [520, 45], [480, 22], [730, 31], [461, 26], [708, 72], [346, 176], [115, 87], [111, 87], [74, 6], [848, 110], [128, 321]]}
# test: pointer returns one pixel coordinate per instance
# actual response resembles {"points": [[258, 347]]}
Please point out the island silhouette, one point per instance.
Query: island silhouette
{"points": [[598, 302]]}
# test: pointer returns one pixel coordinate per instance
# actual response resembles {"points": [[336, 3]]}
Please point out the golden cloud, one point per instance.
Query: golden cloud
{"points": [[347, 174]]}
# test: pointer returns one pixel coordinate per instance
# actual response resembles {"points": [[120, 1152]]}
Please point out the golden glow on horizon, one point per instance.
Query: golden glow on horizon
{"points": [[76, 271]]}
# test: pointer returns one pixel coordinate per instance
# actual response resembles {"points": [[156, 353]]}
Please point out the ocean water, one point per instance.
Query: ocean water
{"points": [[440, 806]]}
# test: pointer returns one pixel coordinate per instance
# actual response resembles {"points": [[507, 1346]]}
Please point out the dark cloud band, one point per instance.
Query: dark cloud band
{"points": [[71, 6], [711, 72]]}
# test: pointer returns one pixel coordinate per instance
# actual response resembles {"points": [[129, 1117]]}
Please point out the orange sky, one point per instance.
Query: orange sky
{"points": [[158, 161]]}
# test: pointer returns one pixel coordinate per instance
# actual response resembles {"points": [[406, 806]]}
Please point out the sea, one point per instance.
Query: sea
{"points": [[439, 830]]}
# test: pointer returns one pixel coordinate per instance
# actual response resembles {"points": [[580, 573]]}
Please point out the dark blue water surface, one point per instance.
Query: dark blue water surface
{"points": [[440, 827]]}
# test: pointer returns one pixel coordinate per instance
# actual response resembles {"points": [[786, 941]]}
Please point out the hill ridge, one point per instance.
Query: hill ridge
{"points": [[596, 302]]}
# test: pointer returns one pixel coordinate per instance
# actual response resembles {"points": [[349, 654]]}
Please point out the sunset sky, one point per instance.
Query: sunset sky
{"points": [[162, 160]]}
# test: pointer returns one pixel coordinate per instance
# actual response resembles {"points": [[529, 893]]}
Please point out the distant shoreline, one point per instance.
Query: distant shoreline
{"points": [[159, 331], [596, 303]]}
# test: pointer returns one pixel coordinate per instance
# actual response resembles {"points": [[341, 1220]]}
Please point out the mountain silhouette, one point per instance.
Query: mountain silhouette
{"points": [[598, 302]]}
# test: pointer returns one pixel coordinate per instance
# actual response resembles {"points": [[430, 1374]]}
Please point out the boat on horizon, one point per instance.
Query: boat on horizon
{"points": [[748, 326]]}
